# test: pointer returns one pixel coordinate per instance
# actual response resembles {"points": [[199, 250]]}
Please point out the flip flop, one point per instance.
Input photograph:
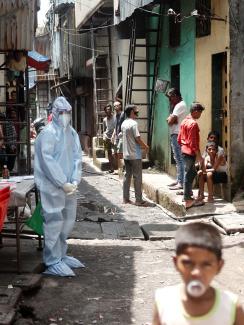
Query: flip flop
{"points": [[173, 184], [179, 193], [195, 204], [128, 202], [145, 204], [176, 187]]}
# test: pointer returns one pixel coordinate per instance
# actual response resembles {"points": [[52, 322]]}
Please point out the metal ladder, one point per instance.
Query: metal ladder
{"points": [[148, 101], [102, 74]]}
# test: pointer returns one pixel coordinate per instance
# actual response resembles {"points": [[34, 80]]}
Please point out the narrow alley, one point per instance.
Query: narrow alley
{"points": [[117, 286]]}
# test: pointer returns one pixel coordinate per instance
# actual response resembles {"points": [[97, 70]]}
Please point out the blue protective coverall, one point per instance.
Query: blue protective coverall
{"points": [[58, 163]]}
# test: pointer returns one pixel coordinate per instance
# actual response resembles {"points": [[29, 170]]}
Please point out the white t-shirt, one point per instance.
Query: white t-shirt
{"points": [[131, 149], [171, 311], [180, 110]]}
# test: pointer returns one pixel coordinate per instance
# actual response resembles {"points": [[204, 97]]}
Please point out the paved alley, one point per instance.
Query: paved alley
{"points": [[123, 269]]}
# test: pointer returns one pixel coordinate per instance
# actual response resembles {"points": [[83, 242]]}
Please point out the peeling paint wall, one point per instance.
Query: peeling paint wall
{"points": [[236, 93], [184, 55], [216, 42]]}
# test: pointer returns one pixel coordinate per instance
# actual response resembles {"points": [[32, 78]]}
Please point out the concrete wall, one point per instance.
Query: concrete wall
{"points": [[236, 93], [205, 48], [120, 50], [185, 56]]}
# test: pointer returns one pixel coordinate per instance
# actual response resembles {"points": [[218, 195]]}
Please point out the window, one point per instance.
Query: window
{"points": [[174, 27], [203, 23], [175, 76]]}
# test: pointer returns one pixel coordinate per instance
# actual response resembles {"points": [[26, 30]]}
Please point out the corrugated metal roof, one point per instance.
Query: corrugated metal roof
{"points": [[18, 21], [127, 7]]}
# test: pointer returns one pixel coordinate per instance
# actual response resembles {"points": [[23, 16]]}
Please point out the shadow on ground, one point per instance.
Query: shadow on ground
{"points": [[102, 293]]}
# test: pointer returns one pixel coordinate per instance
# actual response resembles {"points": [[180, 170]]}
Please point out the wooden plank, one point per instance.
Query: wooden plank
{"points": [[231, 223], [87, 230], [159, 231]]}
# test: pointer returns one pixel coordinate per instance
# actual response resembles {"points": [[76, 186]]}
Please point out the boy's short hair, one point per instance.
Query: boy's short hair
{"points": [[200, 235], [128, 109], [196, 106]]}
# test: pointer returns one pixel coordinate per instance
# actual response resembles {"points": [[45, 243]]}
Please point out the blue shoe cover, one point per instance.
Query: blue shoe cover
{"points": [[59, 269], [72, 262]]}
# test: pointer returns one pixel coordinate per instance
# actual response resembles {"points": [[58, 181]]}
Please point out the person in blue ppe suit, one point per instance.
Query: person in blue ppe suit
{"points": [[57, 172]]}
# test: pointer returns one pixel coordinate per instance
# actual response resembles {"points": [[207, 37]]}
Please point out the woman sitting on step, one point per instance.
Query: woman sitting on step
{"points": [[213, 171]]}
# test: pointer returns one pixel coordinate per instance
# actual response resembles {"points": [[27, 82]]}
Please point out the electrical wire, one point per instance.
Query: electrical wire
{"points": [[86, 48]]}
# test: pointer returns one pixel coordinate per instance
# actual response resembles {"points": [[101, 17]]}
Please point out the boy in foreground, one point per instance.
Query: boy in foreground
{"points": [[198, 260]]}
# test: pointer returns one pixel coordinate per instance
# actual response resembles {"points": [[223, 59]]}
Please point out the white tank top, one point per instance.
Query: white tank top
{"points": [[171, 310]]}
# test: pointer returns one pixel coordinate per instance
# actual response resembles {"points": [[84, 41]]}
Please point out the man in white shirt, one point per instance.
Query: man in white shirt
{"points": [[132, 144], [179, 112]]}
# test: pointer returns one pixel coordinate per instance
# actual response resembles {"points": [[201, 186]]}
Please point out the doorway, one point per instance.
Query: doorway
{"points": [[220, 98]]}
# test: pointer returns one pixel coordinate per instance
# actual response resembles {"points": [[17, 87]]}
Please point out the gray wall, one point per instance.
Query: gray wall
{"points": [[236, 93]]}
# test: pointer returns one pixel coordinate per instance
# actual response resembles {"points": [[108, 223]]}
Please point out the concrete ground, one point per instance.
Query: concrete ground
{"points": [[121, 275]]}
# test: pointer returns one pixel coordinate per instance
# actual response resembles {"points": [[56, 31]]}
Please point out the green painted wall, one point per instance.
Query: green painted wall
{"points": [[185, 56]]}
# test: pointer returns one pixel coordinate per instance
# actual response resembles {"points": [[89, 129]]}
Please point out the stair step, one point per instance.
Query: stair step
{"points": [[103, 78], [145, 45], [136, 89], [144, 60], [142, 75]]}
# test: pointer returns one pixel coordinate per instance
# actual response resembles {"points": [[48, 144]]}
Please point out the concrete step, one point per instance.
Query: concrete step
{"points": [[156, 189], [101, 163]]}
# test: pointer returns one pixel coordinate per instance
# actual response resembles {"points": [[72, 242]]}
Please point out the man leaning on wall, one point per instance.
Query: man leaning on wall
{"points": [[178, 113]]}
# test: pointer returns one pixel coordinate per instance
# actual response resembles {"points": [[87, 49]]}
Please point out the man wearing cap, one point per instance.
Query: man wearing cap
{"points": [[179, 112], [57, 172], [189, 140]]}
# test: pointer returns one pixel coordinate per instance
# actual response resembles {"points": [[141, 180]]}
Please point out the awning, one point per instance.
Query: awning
{"points": [[38, 61]]}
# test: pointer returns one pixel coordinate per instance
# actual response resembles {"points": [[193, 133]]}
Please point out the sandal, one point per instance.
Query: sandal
{"points": [[145, 204], [176, 187], [127, 202], [173, 184], [210, 199], [195, 204], [179, 193]]}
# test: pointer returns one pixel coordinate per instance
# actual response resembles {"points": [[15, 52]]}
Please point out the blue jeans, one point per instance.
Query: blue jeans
{"points": [[178, 158], [189, 175]]}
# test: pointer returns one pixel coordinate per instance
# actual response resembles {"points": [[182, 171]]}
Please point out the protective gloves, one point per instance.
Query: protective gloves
{"points": [[75, 184], [69, 188]]}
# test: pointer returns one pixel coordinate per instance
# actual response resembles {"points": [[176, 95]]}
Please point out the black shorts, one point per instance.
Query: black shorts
{"points": [[220, 177]]}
